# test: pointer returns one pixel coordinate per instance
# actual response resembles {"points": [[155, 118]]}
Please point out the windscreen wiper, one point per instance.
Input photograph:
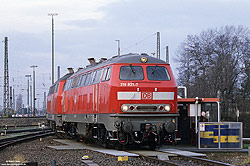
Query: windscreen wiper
{"points": [[154, 69], [133, 70]]}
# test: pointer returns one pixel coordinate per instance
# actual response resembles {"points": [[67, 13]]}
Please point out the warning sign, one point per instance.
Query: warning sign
{"points": [[202, 127]]}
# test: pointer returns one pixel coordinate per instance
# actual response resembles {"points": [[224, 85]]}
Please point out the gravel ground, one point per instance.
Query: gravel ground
{"points": [[231, 158], [37, 151]]}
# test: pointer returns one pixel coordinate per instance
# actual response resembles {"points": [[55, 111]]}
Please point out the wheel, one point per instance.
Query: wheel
{"points": [[119, 146], [152, 146]]}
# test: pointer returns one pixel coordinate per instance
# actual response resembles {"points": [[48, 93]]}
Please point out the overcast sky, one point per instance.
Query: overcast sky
{"points": [[89, 28]]}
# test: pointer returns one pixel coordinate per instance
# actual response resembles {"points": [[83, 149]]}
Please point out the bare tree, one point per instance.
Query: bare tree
{"points": [[211, 64]]}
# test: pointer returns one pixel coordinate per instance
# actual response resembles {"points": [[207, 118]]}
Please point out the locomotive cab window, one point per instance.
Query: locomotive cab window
{"points": [[131, 73], [158, 73]]}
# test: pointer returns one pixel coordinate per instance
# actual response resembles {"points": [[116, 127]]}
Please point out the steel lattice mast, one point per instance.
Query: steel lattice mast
{"points": [[6, 95], [158, 46], [52, 45]]}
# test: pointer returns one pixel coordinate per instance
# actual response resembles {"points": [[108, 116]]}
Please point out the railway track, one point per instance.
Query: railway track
{"points": [[204, 161], [147, 155], [27, 136], [190, 159]]}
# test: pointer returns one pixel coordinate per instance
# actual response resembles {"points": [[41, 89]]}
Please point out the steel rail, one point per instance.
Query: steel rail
{"points": [[207, 161], [24, 130], [157, 161], [200, 160], [13, 140]]}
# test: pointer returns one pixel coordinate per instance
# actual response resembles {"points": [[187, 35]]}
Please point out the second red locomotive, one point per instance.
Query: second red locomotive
{"points": [[127, 99]]}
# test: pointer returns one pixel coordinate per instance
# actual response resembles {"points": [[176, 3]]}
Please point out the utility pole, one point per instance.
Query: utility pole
{"points": [[167, 55], [52, 44], [28, 107], [119, 49], [44, 103], [58, 72], [11, 103], [6, 96], [158, 46], [31, 108], [34, 90], [38, 107], [14, 105]]}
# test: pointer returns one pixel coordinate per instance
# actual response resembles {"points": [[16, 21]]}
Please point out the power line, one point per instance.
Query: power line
{"points": [[133, 45]]}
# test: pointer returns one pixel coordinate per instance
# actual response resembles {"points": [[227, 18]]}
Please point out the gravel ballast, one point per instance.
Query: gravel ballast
{"points": [[38, 151]]}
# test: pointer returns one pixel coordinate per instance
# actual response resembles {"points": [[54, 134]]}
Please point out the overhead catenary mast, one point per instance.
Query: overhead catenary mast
{"points": [[34, 90], [158, 46], [6, 96], [52, 45]]}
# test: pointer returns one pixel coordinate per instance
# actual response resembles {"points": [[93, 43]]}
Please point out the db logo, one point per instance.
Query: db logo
{"points": [[147, 95]]}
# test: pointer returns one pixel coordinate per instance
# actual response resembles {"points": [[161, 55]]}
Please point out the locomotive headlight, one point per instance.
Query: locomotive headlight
{"points": [[144, 59], [124, 108], [167, 108]]}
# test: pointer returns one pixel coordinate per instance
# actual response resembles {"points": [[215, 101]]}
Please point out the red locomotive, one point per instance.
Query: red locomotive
{"points": [[127, 99]]}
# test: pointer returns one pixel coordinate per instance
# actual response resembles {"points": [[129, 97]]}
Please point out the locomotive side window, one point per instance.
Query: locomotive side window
{"points": [[75, 82], [97, 76], [82, 83], [57, 85], [69, 84], [106, 74], [158, 73], [93, 77], [51, 89], [65, 86], [88, 78], [131, 73]]}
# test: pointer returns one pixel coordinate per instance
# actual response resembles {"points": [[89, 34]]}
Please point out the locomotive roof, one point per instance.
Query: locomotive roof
{"points": [[65, 77], [127, 58]]}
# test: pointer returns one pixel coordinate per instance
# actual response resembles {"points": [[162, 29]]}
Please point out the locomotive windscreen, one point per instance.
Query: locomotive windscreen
{"points": [[131, 73], [157, 73]]}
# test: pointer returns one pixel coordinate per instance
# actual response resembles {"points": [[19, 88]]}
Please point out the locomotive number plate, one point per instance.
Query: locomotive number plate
{"points": [[147, 95], [129, 84]]}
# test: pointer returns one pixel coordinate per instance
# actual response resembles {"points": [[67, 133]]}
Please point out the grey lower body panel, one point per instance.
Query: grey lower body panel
{"points": [[109, 120]]}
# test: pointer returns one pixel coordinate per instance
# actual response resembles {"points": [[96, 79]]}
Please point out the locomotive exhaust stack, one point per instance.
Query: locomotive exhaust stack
{"points": [[92, 61], [79, 68], [102, 60], [71, 70]]}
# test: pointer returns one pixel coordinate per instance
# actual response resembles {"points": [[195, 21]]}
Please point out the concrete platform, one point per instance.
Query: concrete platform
{"points": [[71, 144], [151, 153], [182, 152], [115, 152], [195, 149]]}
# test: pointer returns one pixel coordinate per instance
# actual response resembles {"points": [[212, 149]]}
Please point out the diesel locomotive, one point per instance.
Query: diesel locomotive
{"points": [[125, 100]]}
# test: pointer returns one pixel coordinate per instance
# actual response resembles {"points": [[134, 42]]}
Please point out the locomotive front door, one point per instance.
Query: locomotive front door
{"points": [[95, 101]]}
